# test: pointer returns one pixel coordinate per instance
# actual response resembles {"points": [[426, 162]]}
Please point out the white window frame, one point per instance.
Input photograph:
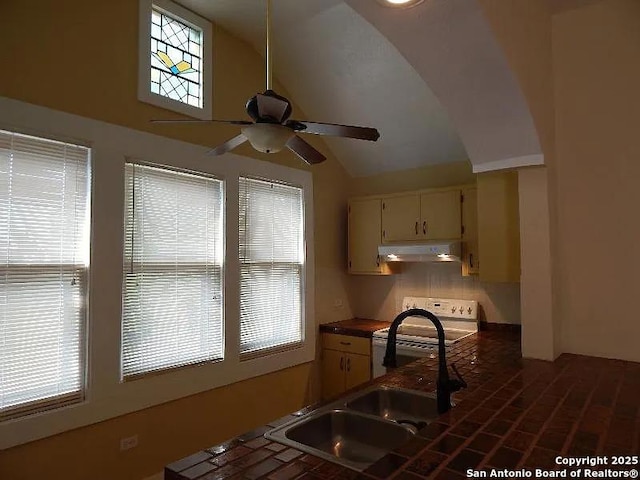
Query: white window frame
{"points": [[129, 263], [264, 351], [82, 276], [144, 58], [111, 146]]}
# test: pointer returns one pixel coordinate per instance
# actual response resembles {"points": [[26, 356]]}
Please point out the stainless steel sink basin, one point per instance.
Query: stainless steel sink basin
{"points": [[396, 404], [352, 439], [358, 431]]}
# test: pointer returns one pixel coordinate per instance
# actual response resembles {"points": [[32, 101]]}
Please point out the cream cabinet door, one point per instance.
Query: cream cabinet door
{"points": [[470, 258], [470, 252], [357, 369], [333, 372], [470, 214], [365, 232], [400, 218], [499, 226], [440, 215]]}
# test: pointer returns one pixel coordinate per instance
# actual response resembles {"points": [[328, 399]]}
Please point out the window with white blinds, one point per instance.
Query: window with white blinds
{"points": [[272, 257], [173, 268], [44, 257]]}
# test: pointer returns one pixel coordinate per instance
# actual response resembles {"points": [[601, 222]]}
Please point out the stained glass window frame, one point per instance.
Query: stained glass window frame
{"points": [[177, 75]]}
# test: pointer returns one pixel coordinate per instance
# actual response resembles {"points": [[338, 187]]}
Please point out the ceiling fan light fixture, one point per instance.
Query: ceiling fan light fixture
{"points": [[400, 3], [267, 137]]}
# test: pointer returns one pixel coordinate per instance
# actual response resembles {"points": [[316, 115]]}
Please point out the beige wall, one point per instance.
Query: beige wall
{"points": [[81, 57], [596, 53], [456, 173], [578, 65], [523, 29], [166, 433]]}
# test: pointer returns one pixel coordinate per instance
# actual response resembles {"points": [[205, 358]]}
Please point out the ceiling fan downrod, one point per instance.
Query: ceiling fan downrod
{"points": [[268, 43]]}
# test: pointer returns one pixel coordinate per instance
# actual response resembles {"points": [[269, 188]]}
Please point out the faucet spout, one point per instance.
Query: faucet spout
{"points": [[444, 385]]}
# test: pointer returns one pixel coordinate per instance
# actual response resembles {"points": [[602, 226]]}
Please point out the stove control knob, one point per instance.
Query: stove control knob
{"points": [[414, 306], [461, 310], [469, 310], [453, 309]]}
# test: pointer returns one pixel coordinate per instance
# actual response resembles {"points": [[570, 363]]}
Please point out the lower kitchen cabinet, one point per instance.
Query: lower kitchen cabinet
{"points": [[346, 363]]}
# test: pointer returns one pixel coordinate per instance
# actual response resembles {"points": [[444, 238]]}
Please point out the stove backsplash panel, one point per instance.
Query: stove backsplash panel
{"points": [[380, 298]]}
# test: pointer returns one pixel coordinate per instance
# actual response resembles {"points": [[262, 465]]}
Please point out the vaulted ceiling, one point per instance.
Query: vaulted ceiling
{"points": [[357, 62]]}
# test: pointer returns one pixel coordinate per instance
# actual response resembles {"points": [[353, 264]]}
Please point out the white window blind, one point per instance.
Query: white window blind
{"points": [[172, 312], [271, 265], [44, 257]]}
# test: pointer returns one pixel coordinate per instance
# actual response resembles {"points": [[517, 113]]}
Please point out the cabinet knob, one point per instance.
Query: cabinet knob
{"points": [[348, 364], [345, 343], [377, 260], [416, 228], [471, 260], [424, 227], [341, 363]]}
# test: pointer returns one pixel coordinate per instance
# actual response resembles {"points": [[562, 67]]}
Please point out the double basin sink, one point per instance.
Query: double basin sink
{"points": [[361, 429]]}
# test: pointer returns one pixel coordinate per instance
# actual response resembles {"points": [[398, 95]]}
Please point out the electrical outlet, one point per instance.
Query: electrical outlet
{"points": [[128, 443], [337, 303]]}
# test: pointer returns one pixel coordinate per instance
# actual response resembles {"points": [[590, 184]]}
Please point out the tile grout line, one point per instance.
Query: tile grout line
{"points": [[583, 412], [537, 436], [603, 438], [524, 413], [467, 440]]}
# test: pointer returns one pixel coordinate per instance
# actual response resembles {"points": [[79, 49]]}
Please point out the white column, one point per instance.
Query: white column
{"points": [[539, 329]]}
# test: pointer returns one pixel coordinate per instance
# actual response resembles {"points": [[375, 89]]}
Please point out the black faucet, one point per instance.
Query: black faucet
{"points": [[444, 385]]}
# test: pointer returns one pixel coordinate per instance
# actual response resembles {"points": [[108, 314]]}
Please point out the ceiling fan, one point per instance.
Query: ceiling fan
{"points": [[271, 130]]}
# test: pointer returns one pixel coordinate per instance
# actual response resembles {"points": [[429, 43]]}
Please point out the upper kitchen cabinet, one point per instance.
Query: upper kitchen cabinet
{"points": [[470, 254], [401, 218], [440, 215], [421, 216], [499, 226], [365, 230]]}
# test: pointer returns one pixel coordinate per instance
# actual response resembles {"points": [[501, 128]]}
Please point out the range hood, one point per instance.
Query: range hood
{"points": [[421, 252]]}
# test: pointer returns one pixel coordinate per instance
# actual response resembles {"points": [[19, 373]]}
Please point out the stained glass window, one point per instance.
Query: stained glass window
{"points": [[176, 59]]}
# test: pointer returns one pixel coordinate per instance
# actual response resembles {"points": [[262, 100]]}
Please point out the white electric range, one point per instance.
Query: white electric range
{"points": [[417, 337]]}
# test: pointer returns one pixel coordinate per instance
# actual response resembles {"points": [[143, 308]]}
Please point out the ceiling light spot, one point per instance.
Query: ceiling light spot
{"points": [[400, 3]]}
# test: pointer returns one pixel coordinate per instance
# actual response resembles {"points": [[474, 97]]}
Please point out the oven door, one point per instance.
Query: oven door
{"points": [[406, 352]]}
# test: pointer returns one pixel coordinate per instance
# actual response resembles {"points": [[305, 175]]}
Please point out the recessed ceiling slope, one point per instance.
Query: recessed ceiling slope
{"points": [[451, 46], [339, 68]]}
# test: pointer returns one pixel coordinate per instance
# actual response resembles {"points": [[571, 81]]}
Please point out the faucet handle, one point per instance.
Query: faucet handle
{"points": [[459, 383]]}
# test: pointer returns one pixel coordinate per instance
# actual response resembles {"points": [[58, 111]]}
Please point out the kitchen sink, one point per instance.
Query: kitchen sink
{"points": [[350, 438], [397, 404]]}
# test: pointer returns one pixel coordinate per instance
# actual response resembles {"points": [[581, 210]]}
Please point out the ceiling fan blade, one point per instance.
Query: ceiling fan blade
{"points": [[189, 120], [305, 151], [228, 145], [270, 106], [361, 133]]}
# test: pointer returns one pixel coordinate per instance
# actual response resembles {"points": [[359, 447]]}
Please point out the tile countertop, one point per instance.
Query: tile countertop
{"points": [[357, 327], [515, 414]]}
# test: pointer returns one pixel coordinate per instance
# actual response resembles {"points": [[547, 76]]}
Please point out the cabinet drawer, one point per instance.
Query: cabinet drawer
{"points": [[346, 343]]}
